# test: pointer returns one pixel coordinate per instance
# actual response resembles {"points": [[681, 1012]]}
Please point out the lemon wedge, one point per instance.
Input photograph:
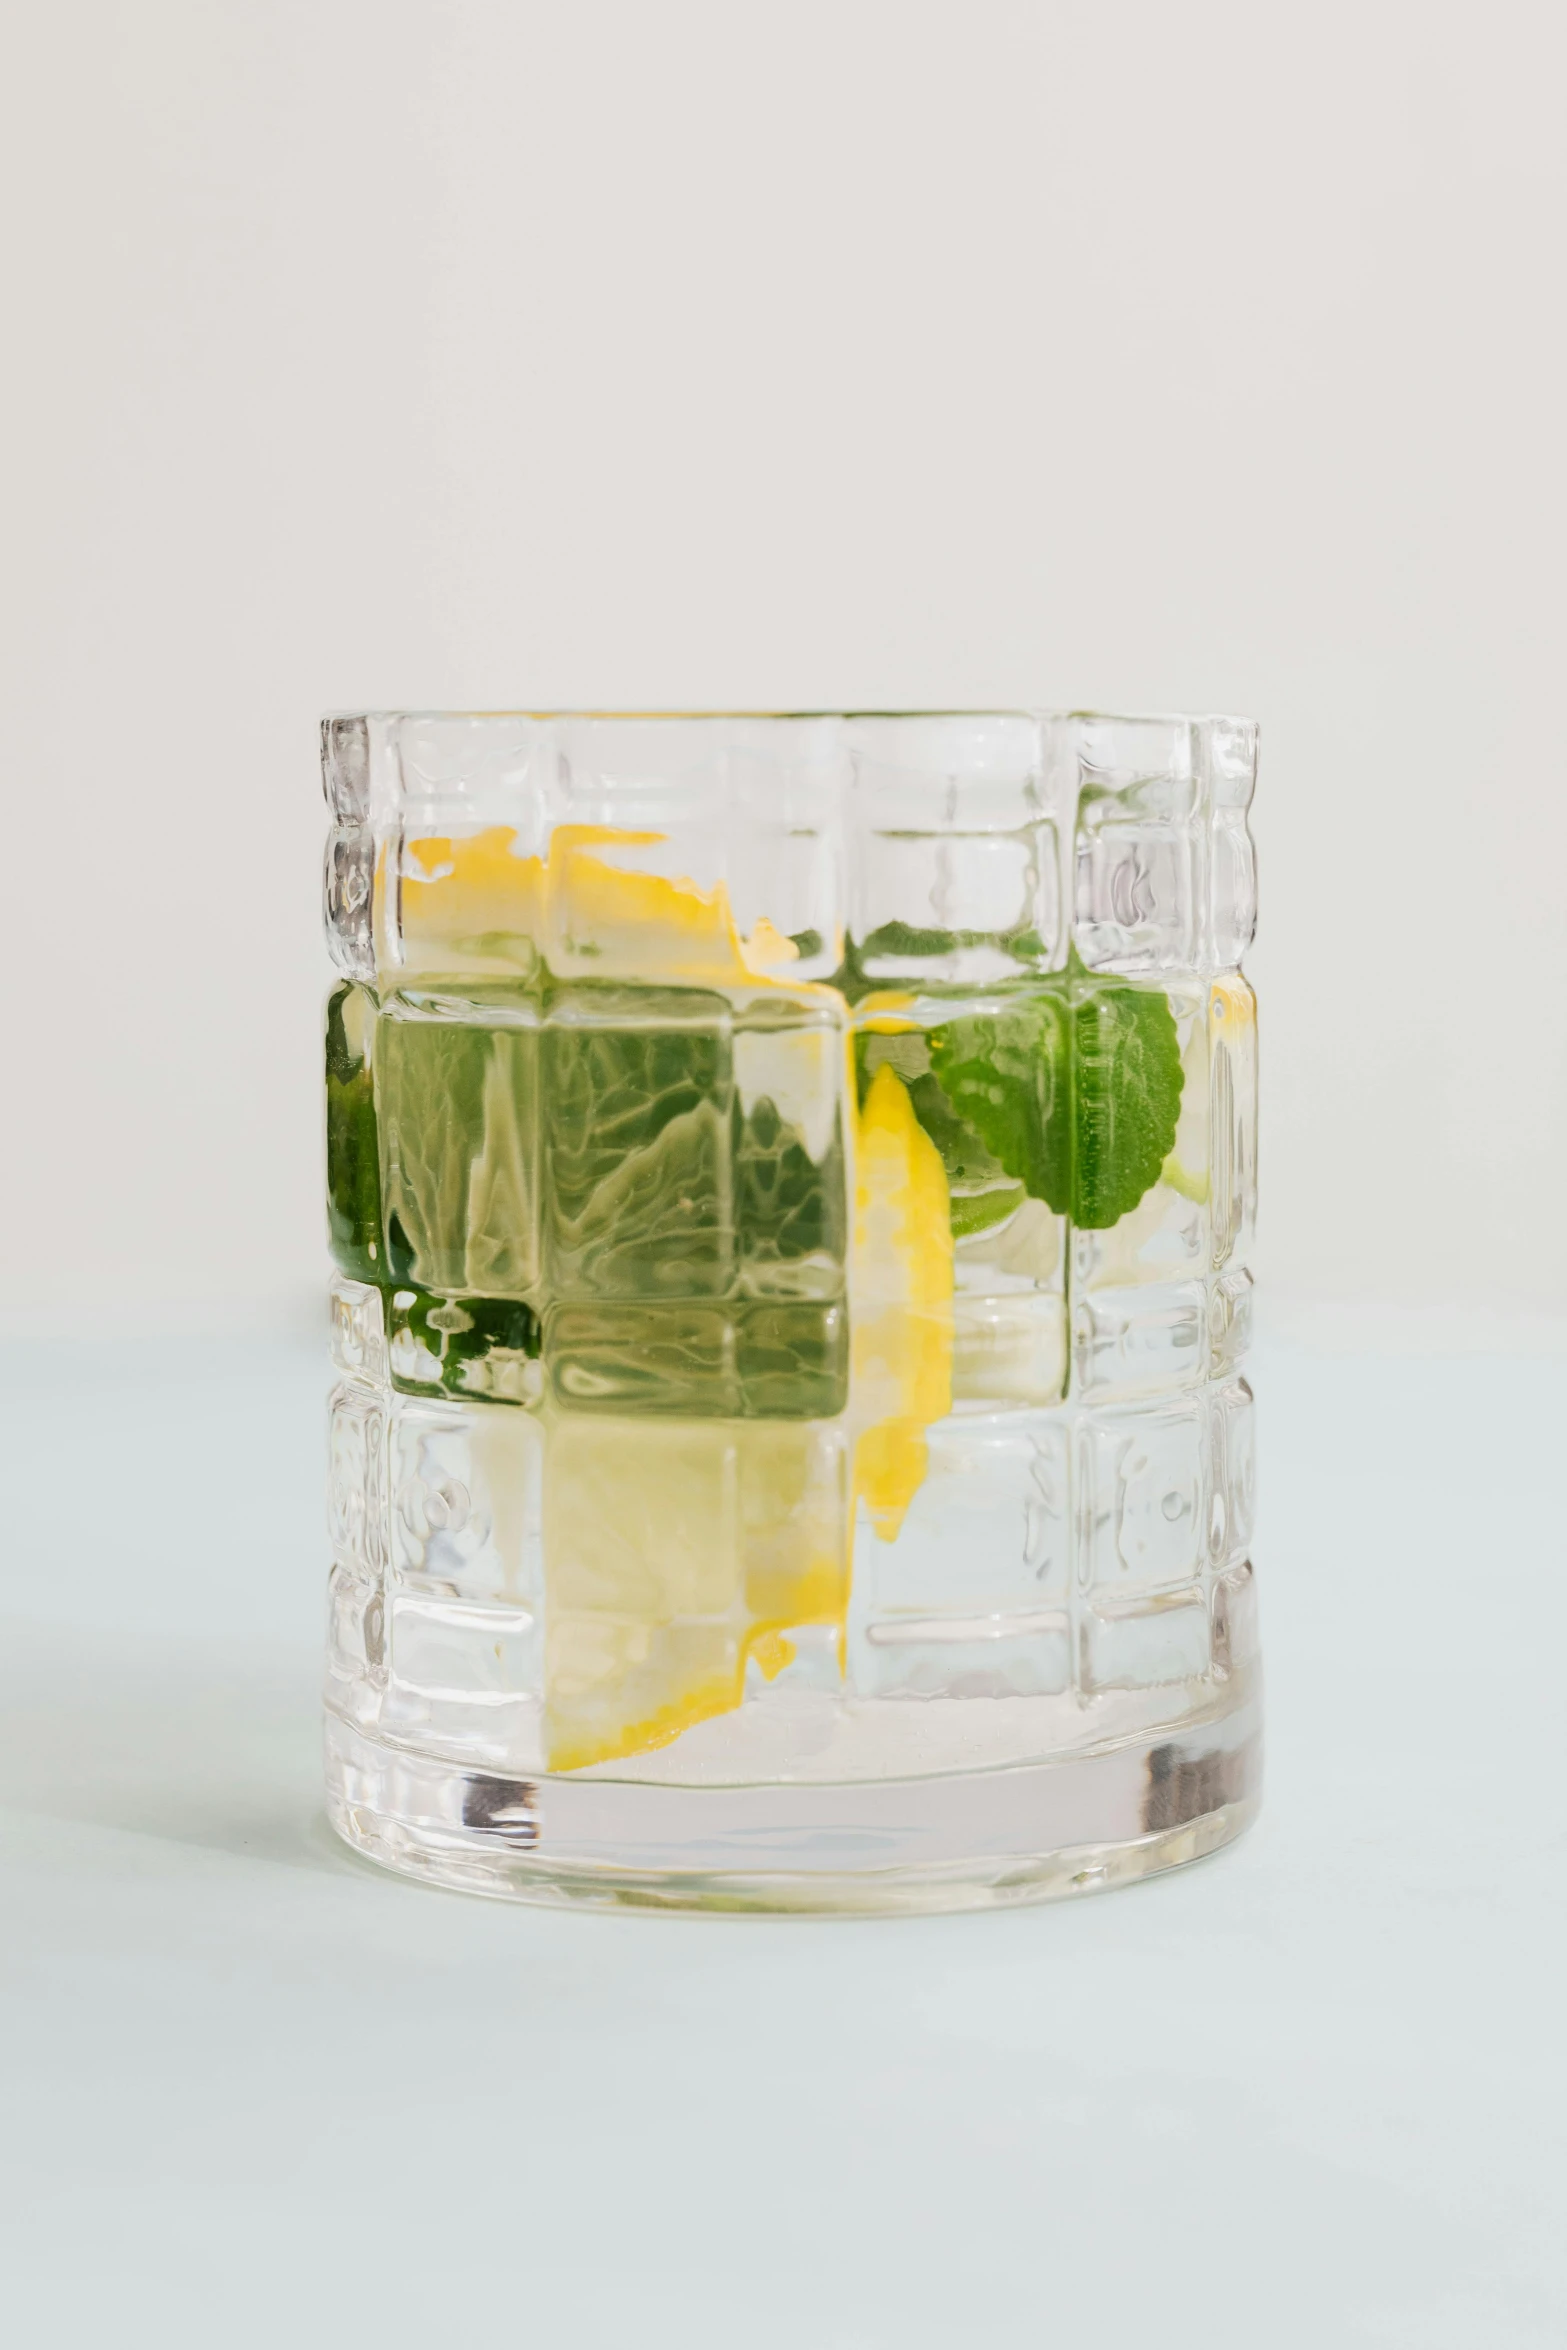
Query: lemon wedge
{"points": [[901, 1377], [677, 1552], [478, 906], [1232, 1021], [1231, 1003]]}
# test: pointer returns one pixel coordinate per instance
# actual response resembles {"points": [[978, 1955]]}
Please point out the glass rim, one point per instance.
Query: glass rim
{"points": [[979, 713]]}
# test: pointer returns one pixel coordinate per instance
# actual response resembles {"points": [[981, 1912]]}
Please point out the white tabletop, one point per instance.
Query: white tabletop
{"points": [[1307, 2093]]}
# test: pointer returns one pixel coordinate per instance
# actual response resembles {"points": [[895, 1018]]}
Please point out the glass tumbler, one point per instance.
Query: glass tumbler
{"points": [[790, 1181]]}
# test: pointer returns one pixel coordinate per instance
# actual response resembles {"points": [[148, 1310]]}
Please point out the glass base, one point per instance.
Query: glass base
{"points": [[965, 1840]]}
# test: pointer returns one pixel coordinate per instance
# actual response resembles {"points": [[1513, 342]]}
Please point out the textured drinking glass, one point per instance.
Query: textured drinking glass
{"points": [[790, 1180]]}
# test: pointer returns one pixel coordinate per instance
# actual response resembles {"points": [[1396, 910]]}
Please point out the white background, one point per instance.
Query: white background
{"points": [[1158, 354], [1149, 356]]}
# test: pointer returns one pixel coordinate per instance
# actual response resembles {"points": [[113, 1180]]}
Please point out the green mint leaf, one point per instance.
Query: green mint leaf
{"points": [[1126, 1086], [977, 1211], [903, 939], [353, 1163], [1075, 1090], [1005, 1073]]}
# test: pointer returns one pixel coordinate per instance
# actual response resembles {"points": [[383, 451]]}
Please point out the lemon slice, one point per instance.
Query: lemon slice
{"points": [[901, 1377], [1232, 1004], [679, 1552], [1232, 1021], [478, 906], [675, 1553]]}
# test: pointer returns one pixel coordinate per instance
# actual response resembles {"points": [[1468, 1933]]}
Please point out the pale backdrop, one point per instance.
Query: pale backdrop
{"points": [[1153, 356]]}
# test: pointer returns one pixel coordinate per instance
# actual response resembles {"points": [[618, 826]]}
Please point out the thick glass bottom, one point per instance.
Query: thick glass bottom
{"points": [[978, 1839]]}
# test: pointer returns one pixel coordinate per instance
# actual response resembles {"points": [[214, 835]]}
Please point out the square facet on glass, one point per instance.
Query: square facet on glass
{"points": [[792, 1184]]}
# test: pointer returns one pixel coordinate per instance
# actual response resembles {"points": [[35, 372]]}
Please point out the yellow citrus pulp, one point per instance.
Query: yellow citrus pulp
{"points": [[1232, 1014], [1232, 1003], [902, 1358], [478, 907]]}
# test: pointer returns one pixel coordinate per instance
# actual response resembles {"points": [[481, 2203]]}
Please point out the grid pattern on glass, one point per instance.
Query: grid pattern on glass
{"points": [[792, 1185], [1045, 1551]]}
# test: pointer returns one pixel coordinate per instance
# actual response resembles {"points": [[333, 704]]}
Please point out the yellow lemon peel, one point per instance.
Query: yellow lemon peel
{"points": [[476, 906], [674, 1555], [1232, 1003], [698, 1702], [902, 1349]]}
